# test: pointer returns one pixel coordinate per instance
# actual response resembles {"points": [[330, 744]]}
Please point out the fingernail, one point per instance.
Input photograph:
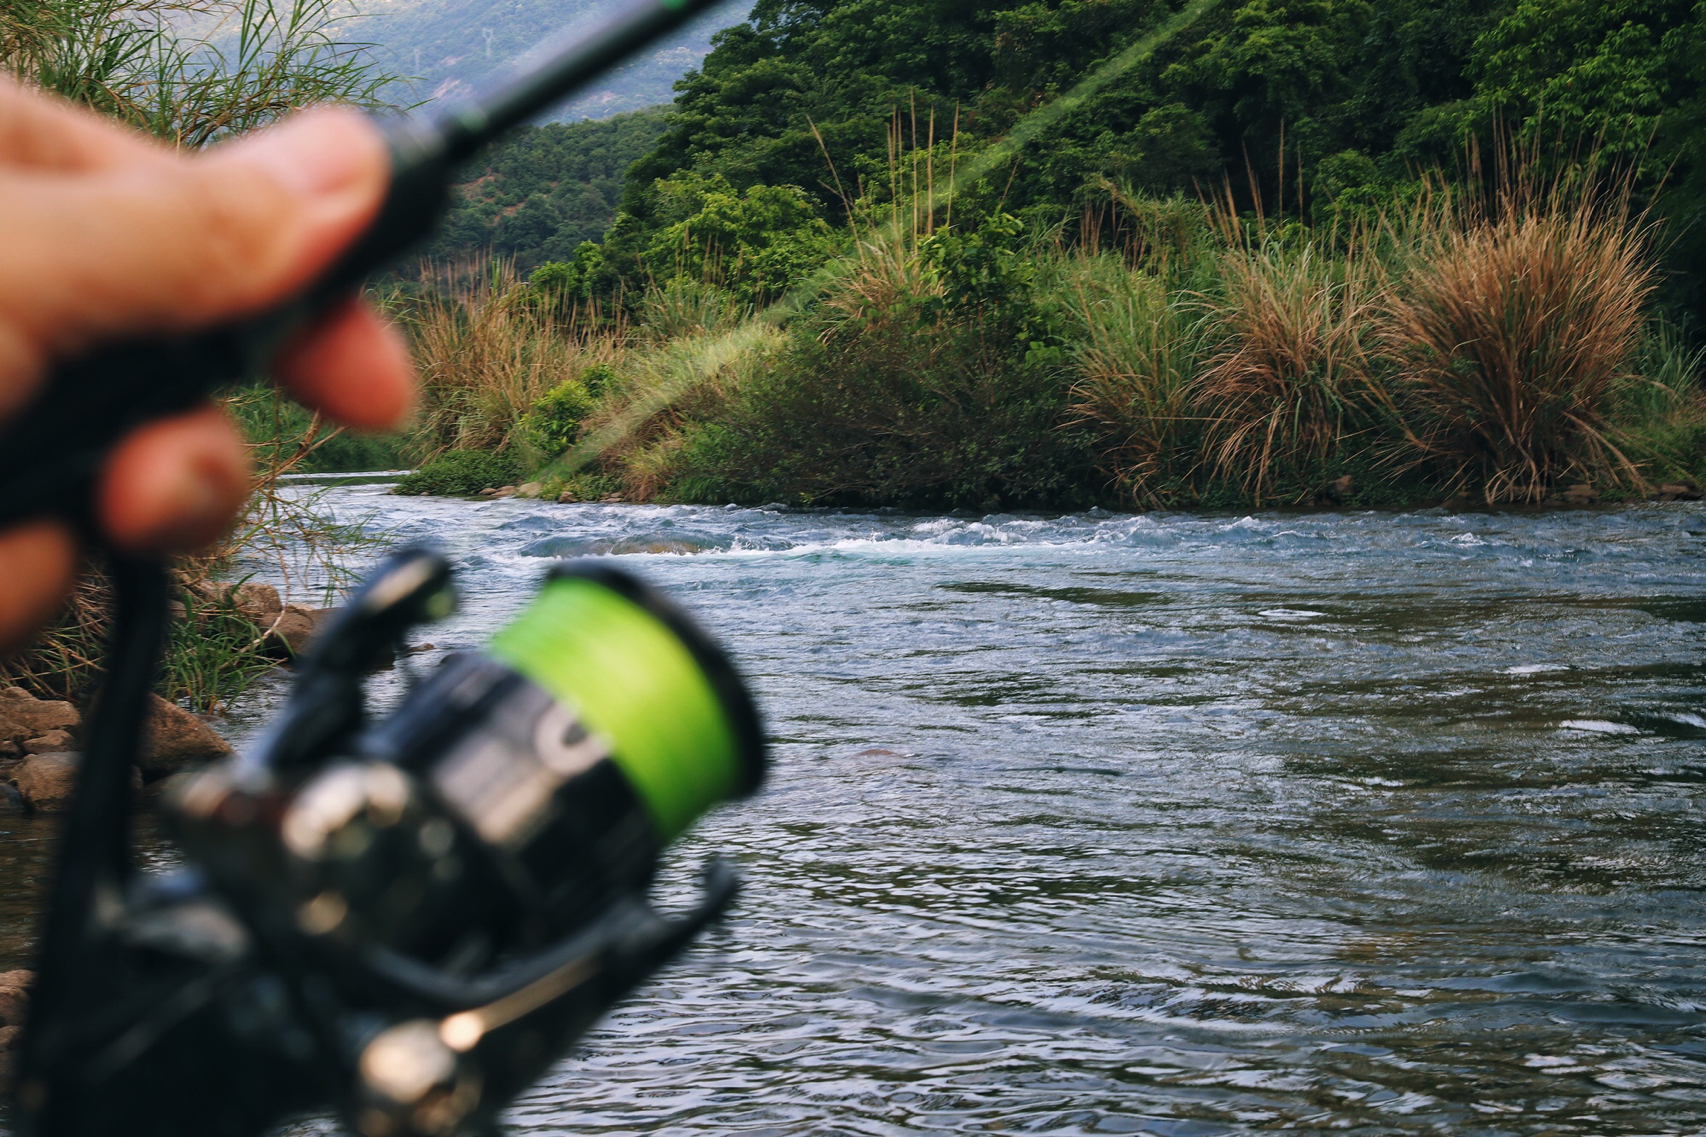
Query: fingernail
{"points": [[318, 153]]}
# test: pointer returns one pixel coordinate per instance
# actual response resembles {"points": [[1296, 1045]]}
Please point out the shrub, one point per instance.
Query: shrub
{"points": [[551, 426], [928, 376], [1511, 332], [461, 472]]}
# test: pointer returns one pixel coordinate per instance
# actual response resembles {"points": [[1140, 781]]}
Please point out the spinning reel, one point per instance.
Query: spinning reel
{"points": [[407, 919]]}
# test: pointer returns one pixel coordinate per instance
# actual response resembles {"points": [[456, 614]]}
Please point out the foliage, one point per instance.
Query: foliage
{"points": [[553, 422], [539, 194], [134, 61], [278, 428], [1290, 376], [929, 376], [461, 472]]}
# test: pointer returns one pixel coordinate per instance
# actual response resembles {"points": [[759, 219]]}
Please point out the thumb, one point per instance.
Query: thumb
{"points": [[171, 243]]}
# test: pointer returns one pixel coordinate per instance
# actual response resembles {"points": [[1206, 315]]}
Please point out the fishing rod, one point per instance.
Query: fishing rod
{"points": [[406, 920]]}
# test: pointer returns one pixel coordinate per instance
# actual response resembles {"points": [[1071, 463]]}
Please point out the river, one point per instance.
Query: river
{"points": [[1169, 824]]}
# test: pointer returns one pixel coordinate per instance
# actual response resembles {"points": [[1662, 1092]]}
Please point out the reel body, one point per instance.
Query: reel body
{"points": [[411, 919]]}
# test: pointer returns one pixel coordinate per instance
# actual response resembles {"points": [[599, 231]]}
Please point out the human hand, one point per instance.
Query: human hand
{"points": [[108, 233]]}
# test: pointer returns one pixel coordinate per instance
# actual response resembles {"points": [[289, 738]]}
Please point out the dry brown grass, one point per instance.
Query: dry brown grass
{"points": [[1511, 331], [487, 351], [1291, 375]]}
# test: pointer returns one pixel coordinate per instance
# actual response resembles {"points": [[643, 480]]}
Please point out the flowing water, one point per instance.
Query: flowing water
{"points": [[1171, 824]]}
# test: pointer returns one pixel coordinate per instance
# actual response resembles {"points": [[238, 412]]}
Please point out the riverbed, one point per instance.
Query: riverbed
{"points": [[1170, 824]]}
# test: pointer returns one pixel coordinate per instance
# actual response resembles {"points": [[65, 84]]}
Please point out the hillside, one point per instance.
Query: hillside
{"points": [[453, 46], [546, 189]]}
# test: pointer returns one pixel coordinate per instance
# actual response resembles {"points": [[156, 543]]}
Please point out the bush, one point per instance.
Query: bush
{"points": [[930, 376], [461, 472], [551, 426]]}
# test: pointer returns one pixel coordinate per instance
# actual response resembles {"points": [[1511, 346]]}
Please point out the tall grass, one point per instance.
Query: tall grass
{"points": [[489, 348], [1290, 376], [1512, 329], [139, 61], [1169, 353], [1135, 362]]}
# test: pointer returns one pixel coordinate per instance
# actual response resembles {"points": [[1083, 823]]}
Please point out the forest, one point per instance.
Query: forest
{"points": [[1123, 252]]}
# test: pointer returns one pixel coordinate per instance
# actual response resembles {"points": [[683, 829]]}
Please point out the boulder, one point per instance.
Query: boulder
{"points": [[291, 630], [37, 715], [175, 737], [1582, 494], [1676, 491], [529, 489], [13, 733], [11, 801], [45, 781], [256, 602], [568, 497], [15, 999], [50, 742]]}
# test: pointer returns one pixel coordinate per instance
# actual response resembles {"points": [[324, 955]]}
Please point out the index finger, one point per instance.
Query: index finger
{"points": [[43, 132]]}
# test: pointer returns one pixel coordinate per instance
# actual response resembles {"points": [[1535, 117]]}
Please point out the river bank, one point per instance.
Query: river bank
{"points": [[1159, 822]]}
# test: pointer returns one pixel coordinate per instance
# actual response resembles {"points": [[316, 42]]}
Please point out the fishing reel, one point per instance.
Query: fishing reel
{"points": [[410, 919]]}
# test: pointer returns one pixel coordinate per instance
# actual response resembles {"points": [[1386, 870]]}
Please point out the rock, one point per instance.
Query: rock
{"points": [[1334, 492], [1676, 491], [504, 491], [256, 602], [37, 715], [567, 497], [15, 1000], [1582, 494], [529, 490], [175, 737], [45, 781], [291, 630], [11, 801], [611, 499], [175, 610], [50, 742], [14, 733]]}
